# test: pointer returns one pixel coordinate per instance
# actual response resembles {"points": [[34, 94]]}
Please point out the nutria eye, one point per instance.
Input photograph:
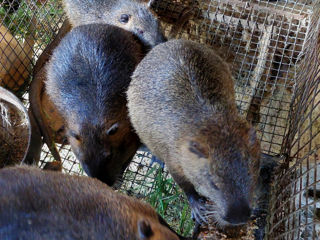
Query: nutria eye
{"points": [[124, 18], [113, 129], [74, 135], [197, 149]]}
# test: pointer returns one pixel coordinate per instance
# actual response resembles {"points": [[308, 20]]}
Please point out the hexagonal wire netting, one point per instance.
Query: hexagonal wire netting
{"points": [[272, 48]]}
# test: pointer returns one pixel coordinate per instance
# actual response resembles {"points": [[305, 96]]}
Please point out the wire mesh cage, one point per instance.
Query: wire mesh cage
{"points": [[295, 203], [272, 48], [26, 28]]}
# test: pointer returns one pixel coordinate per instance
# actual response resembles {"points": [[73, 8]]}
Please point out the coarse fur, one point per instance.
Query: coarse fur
{"points": [[181, 103], [39, 204], [87, 77], [141, 20]]}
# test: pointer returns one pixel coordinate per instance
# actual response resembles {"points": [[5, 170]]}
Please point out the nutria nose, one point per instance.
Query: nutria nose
{"points": [[238, 212]]}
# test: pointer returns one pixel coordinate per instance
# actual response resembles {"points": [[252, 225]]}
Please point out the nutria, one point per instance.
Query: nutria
{"points": [[87, 77], [181, 103], [50, 205], [134, 16]]}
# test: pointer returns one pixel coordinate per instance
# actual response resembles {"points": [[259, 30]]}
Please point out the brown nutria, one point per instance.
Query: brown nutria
{"points": [[51, 205], [131, 15], [87, 78], [181, 103]]}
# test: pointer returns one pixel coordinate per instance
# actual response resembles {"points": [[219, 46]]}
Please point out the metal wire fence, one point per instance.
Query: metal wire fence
{"points": [[272, 48], [26, 28], [295, 205]]}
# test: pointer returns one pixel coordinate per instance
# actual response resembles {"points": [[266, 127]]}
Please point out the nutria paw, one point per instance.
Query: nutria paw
{"points": [[197, 205]]}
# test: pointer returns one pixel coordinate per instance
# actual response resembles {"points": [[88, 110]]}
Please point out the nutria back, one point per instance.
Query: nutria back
{"points": [[87, 77], [39, 204], [134, 16], [181, 103]]}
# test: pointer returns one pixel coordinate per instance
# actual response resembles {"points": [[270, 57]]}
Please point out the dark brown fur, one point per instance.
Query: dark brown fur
{"points": [[181, 102], [88, 75], [50, 205]]}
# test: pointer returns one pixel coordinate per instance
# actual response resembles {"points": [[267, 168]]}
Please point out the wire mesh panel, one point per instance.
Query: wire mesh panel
{"points": [[272, 49], [295, 205], [26, 27]]}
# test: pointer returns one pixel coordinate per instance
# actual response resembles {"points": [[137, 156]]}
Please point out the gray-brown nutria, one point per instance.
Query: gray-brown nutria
{"points": [[134, 16], [37, 204], [181, 103], [87, 77]]}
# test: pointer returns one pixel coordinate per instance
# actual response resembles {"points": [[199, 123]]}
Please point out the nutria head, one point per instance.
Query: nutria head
{"points": [[105, 147], [221, 159], [134, 16], [138, 18]]}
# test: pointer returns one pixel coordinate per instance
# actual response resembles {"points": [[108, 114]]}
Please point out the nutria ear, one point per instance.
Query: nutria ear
{"points": [[196, 148], [144, 230]]}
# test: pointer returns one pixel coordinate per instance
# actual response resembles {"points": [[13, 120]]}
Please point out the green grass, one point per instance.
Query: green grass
{"points": [[170, 202], [157, 187]]}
